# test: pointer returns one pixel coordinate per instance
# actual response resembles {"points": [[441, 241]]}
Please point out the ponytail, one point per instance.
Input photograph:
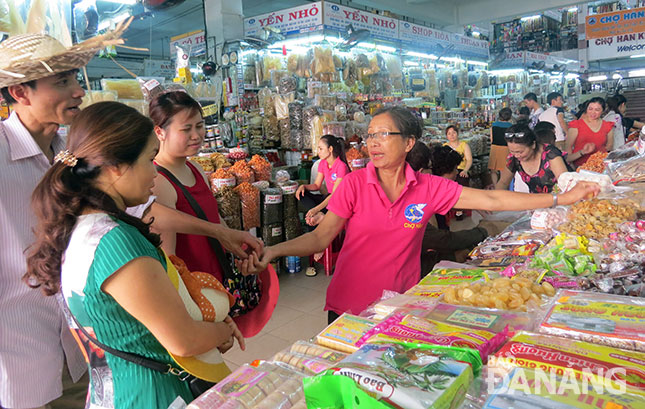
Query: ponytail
{"points": [[337, 147]]}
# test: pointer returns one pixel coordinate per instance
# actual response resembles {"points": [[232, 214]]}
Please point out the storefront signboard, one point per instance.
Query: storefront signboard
{"points": [[195, 41], [616, 23], [158, 68], [295, 20], [619, 46], [337, 17], [425, 39]]}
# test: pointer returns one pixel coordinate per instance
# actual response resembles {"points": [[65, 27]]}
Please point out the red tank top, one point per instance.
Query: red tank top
{"points": [[191, 248]]}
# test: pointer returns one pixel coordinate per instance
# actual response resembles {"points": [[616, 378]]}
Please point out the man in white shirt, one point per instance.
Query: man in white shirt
{"points": [[555, 115], [35, 342], [530, 100]]}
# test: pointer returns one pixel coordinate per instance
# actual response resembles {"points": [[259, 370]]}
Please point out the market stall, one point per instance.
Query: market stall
{"points": [[549, 313]]}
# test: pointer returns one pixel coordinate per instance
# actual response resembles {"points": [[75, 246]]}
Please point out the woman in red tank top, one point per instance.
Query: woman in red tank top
{"points": [[589, 134], [179, 126]]}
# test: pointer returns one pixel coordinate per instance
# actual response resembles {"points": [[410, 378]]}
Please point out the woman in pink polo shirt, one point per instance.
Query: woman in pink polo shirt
{"points": [[332, 169], [384, 209]]}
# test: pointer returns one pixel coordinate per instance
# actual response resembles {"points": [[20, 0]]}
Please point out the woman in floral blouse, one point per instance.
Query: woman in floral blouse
{"points": [[539, 165]]}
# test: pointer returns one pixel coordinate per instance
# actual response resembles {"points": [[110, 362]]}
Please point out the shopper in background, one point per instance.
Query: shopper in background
{"points": [[524, 115], [530, 100], [545, 133], [628, 123], [498, 148], [384, 209], [555, 115], [463, 149], [538, 165], [589, 134], [582, 109], [332, 169], [441, 244], [614, 115]]}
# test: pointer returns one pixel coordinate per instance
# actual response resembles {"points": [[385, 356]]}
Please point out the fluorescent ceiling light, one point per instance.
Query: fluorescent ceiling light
{"points": [[386, 48], [472, 62], [637, 56], [598, 78], [114, 20], [452, 59], [411, 63], [333, 39], [637, 73], [422, 55], [616, 76], [530, 17], [476, 33], [506, 72], [572, 76], [572, 9]]}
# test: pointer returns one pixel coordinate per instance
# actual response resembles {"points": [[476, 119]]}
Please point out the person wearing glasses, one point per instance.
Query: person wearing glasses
{"points": [[539, 165], [384, 209], [589, 134]]}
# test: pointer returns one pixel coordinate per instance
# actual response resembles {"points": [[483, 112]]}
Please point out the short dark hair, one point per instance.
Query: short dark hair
{"points": [[405, 120], [444, 160], [7, 96], [531, 96], [545, 133], [621, 99], [552, 96], [528, 139], [453, 127], [505, 114], [596, 100], [419, 157]]}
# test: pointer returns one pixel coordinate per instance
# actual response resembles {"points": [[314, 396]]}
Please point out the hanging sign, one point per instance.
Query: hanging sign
{"points": [[338, 17], [158, 68], [295, 20], [624, 45], [508, 60], [195, 41], [616, 23], [442, 42]]}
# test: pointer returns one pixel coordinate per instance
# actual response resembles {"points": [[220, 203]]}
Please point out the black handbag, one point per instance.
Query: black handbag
{"points": [[245, 290], [197, 386]]}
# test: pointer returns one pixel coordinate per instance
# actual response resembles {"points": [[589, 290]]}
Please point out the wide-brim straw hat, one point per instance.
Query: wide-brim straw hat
{"points": [[28, 57]]}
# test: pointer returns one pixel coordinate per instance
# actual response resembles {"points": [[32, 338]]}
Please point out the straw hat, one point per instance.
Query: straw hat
{"points": [[27, 57]]}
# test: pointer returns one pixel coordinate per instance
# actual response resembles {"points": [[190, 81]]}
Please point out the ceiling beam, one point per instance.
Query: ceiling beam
{"points": [[438, 13]]}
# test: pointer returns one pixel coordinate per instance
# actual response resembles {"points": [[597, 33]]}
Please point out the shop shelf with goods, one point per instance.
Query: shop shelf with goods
{"points": [[537, 33]]}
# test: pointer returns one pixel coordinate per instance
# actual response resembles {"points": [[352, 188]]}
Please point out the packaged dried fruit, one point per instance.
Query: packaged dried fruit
{"points": [[400, 327], [452, 276], [613, 320], [309, 358], [343, 334], [398, 375], [611, 367], [501, 293]]}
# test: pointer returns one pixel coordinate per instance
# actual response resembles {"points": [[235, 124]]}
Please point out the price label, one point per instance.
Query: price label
{"points": [[211, 109]]}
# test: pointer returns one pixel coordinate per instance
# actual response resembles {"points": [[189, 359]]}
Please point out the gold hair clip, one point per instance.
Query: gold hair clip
{"points": [[67, 158]]}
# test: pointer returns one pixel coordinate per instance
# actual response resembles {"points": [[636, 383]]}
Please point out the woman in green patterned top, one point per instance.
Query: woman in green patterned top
{"points": [[108, 265]]}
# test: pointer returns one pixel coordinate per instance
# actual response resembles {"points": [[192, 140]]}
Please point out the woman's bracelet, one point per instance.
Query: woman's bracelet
{"points": [[555, 200]]}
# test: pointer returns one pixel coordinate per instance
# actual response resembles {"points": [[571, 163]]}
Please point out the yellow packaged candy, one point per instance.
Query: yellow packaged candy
{"points": [[343, 334]]}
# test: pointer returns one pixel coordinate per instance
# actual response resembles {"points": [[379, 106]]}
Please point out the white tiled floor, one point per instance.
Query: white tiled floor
{"points": [[298, 315]]}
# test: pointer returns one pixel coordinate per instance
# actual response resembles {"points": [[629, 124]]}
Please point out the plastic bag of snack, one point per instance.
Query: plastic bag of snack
{"points": [[398, 375], [343, 334], [242, 172], [281, 102], [295, 115], [228, 203], [150, 88], [605, 319], [490, 319], [548, 218], [261, 168], [221, 178], [400, 327], [250, 201]]}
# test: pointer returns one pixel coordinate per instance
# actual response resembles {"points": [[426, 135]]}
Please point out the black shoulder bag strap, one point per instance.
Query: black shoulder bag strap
{"points": [[214, 243], [130, 357]]}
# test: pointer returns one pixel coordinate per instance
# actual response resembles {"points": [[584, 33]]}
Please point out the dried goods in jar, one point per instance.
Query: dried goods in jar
{"points": [[250, 201]]}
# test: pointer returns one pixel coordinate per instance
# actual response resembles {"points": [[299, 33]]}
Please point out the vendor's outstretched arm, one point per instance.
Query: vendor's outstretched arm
{"points": [[305, 245], [498, 200], [167, 219]]}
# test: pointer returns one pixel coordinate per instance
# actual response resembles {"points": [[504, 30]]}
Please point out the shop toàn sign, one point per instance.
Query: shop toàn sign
{"points": [[616, 23], [295, 20], [439, 42]]}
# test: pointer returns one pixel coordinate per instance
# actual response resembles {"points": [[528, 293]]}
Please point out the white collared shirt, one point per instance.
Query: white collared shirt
{"points": [[34, 337]]}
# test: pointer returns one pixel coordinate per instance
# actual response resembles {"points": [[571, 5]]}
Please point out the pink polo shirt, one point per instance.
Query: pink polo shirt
{"points": [[337, 171], [382, 245]]}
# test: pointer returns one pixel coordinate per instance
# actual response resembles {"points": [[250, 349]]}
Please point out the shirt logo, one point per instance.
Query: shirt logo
{"points": [[414, 212], [334, 176]]}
